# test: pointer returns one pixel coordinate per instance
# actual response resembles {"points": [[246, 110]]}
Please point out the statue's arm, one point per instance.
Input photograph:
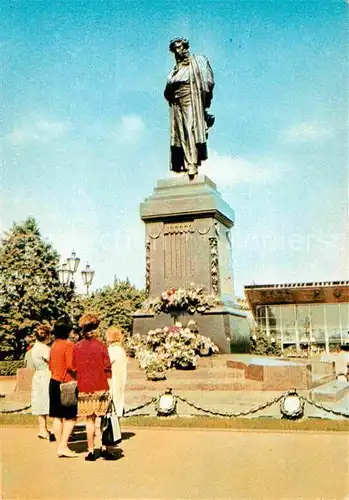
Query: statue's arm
{"points": [[168, 93], [209, 85], [210, 76]]}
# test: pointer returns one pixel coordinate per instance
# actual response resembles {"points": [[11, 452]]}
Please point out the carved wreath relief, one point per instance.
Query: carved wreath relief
{"points": [[147, 267], [214, 265]]}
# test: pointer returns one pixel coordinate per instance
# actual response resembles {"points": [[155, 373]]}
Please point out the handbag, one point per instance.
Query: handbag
{"points": [[69, 393], [110, 427]]}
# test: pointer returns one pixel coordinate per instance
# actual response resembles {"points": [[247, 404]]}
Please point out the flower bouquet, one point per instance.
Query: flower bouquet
{"points": [[191, 299], [133, 344], [205, 346], [156, 370], [185, 360], [174, 346]]}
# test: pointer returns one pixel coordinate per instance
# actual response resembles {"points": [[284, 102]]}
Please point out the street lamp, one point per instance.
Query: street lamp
{"points": [[64, 274], [67, 271], [73, 262], [87, 275]]}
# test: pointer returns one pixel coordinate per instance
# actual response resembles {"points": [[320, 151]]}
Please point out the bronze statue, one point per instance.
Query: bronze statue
{"points": [[189, 93]]}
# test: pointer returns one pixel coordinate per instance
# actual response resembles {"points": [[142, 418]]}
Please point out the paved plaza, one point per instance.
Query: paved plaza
{"points": [[180, 464]]}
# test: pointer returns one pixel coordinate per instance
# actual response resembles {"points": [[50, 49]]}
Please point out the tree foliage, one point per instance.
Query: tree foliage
{"points": [[264, 344], [30, 291], [114, 304]]}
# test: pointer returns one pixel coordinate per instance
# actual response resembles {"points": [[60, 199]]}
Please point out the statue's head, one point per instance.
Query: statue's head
{"points": [[179, 47]]}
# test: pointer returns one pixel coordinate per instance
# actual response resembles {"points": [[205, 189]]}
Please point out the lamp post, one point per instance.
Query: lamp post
{"points": [[64, 274], [87, 275], [73, 263], [68, 269]]}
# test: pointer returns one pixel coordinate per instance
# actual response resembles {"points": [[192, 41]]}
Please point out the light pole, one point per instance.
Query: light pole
{"points": [[68, 269], [87, 275], [64, 274], [73, 263]]}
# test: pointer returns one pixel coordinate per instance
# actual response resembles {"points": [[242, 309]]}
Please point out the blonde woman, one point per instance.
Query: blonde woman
{"points": [[118, 360], [40, 400]]}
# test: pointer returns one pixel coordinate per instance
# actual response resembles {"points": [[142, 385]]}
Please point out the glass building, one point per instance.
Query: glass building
{"points": [[303, 312]]}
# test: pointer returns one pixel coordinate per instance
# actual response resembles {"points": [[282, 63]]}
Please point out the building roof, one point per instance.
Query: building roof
{"points": [[297, 293]]}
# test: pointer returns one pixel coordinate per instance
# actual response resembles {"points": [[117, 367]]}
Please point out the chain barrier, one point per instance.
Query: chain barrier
{"points": [[17, 410], [243, 413], [321, 407], [236, 414], [215, 413], [140, 407]]}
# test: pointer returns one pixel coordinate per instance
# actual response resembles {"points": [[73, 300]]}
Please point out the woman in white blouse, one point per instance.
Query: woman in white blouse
{"points": [[118, 360], [40, 401]]}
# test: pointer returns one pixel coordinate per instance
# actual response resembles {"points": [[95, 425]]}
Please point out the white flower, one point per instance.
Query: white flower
{"points": [[272, 340], [165, 329], [178, 324], [151, 332], [191, 322], [254, 337]]}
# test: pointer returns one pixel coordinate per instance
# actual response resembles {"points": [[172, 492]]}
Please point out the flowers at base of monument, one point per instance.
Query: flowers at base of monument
{"points": [[191, 299], [185, 359], [156, 365], [133, 344], [156, 370], [205, 346], [174, 346]]}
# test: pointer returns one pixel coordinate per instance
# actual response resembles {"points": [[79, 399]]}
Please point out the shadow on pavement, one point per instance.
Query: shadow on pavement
{"points": [[127, 435], [78, 442]]}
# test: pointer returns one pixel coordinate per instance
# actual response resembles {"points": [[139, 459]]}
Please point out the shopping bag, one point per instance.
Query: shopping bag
{"points": [[110, 427]]}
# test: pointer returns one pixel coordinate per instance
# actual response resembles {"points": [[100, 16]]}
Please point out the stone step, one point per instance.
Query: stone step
{"points": [[162, 385], [191, 385], [332, 392], [192, 375], [202, 362]]}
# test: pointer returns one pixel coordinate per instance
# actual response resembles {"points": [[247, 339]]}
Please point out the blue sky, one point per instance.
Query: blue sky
{"points": [[85, 127]]}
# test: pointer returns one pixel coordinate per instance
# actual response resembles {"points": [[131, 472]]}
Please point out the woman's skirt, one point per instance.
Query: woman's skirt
{"points": [[40, 392], [56, 408], [93, 403]]}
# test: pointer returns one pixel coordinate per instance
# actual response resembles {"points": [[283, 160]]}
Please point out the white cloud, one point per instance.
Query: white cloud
{"points": [[306, 132], [227, 170], [37, 131], [130, 128]]}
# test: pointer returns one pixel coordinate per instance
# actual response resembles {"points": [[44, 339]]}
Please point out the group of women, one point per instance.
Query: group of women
{"points": [[100, 373]]}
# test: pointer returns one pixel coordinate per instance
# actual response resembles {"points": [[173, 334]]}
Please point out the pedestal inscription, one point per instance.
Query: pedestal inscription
{"points": [[178, 251]]}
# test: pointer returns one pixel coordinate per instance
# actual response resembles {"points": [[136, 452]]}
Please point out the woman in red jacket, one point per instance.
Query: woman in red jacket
{"points": [[60, 364], [93, 369]]}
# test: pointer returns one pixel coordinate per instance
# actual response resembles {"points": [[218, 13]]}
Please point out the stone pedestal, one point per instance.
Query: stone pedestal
{"points": [[188, 242]]}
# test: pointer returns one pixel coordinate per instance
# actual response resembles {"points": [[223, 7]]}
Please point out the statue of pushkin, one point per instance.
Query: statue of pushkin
{"points": [[189, 90]]}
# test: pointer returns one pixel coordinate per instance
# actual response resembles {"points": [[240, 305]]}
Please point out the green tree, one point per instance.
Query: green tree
{"points": [[30, 291], [262, 344], [114, 304]]}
